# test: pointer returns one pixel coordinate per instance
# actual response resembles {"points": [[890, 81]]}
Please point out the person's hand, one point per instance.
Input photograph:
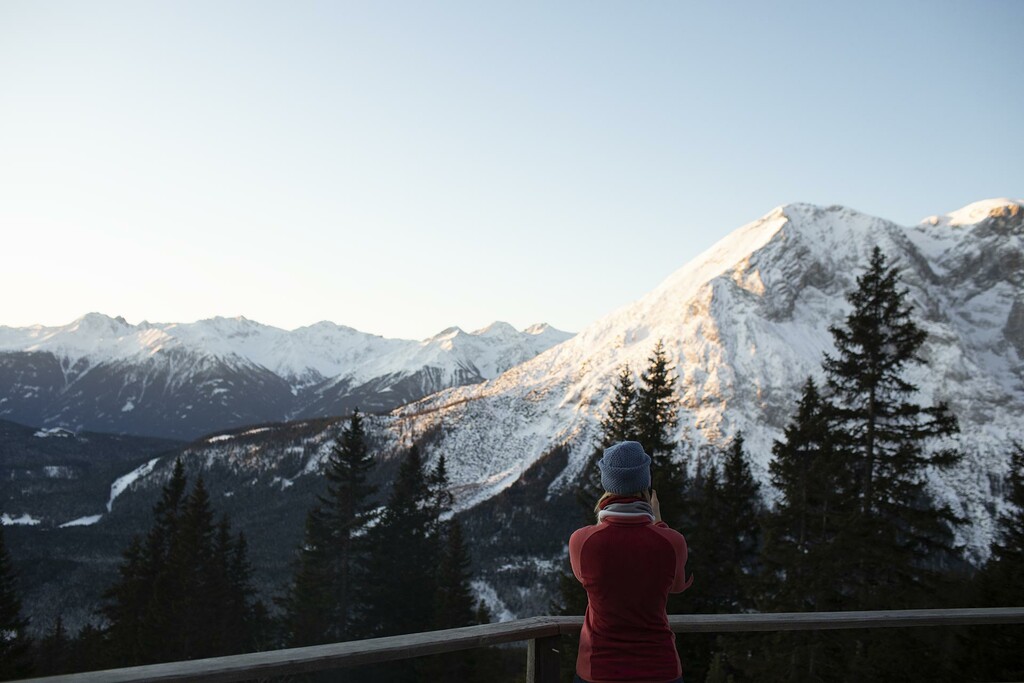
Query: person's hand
{"points": [[656, 506]]}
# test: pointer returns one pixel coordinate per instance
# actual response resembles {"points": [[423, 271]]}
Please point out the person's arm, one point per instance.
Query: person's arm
{"points": [[575, 543], [679, 581]]}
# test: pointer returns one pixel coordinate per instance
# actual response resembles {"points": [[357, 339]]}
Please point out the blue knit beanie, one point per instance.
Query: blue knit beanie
{"points": [[625, 468]]}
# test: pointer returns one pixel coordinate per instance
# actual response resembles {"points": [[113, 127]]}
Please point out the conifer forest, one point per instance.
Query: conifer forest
{"points": [[849, 525]]}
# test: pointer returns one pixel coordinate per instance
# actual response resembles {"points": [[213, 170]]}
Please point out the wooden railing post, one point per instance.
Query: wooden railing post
{"points": [[542, 660]]}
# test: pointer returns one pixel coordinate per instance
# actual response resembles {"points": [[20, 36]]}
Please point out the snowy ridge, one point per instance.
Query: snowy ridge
{"points": [[315, 352], [186, 380], [745, 324]]}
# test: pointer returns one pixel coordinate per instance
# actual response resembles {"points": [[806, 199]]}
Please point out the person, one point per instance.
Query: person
{"points": [[628, 563]]}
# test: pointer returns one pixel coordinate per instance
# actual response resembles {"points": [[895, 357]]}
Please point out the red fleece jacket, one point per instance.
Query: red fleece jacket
{"points": [[628, 566]]}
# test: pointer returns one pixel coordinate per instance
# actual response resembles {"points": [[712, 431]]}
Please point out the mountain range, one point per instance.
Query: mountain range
{"points": [[184, 380], [744, 325]]}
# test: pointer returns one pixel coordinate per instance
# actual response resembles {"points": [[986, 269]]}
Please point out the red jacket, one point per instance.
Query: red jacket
{"points": [[628, 566]]}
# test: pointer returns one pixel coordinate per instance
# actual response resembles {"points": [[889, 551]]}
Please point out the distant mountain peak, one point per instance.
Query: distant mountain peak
{"points": [[99, 322], [496, 329], [978, 212], [446, 333]]}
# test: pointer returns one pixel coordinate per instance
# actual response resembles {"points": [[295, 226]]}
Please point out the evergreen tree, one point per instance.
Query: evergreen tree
{"points": [[707, 563], [883, 437], [139, 606], [1008, 545], [454, 607], [190, 632], [14, 641], [54, 655], [173, 596], [324, 601], [802, 529], [741, 529], [657, 415], [880, 542], [404, 554], [995, 653], [620, 423], [441, 498], [800, 558], [656, 405], [308, 606]]}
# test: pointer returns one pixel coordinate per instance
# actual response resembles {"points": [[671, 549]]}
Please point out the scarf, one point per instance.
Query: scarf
{"points": [[626, 507]]}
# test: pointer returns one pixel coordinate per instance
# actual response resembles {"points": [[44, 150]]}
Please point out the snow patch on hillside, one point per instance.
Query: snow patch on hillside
{"points": [[121, 484], [24, 520]]}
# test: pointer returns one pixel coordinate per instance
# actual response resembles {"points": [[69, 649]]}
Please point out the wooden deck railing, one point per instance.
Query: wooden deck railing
{"points": [[542, 633]]}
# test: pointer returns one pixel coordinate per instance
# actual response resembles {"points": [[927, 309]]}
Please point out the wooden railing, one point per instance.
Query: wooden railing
{"points": [[542, 633]]}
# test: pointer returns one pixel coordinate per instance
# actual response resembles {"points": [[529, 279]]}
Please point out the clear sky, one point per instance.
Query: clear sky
{"points": [[401, 167]]}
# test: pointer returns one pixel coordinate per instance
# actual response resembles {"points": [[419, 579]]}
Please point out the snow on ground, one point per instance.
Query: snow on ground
{"points": [[25, 520], [58, 432], [228, 437], [82, 521], [486, 593], [122, 483]]}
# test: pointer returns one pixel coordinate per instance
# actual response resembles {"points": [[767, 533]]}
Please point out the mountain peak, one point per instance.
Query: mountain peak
{"points": [[98, 323], [979, 211], [496, 329], [447, 333]]}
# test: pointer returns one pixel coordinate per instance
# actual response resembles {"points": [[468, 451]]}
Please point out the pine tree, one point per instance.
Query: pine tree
{"points": [[657, 415], [707, 563], [657, 407], [454, 606], [805, 522], [994, 653], [324, 601], [172, 595], [308, 606], [1008, 545], [403, 554], [139, 606], [801, 560], [14, 641], [190, 631], [54, 655], [441, 499], [741, 532], [883, 435], [620, 423], [897, 540]]}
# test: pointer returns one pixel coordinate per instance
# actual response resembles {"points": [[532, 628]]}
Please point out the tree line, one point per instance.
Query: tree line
{"points": [[184, 589], [852, 526]]}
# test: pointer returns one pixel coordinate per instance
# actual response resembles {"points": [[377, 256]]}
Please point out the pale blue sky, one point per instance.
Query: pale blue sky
{"points": [[400, 167]]}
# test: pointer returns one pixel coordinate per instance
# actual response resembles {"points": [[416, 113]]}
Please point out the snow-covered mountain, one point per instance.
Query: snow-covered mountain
{"points": [[183, 380], [745, 324]]}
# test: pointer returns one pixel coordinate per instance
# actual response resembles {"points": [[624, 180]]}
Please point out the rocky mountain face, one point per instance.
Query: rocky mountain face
{"points": [[182, 381], [745, 324]]}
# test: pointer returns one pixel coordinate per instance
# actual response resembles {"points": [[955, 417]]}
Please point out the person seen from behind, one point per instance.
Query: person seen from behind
{"points": [[628, 563]]}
